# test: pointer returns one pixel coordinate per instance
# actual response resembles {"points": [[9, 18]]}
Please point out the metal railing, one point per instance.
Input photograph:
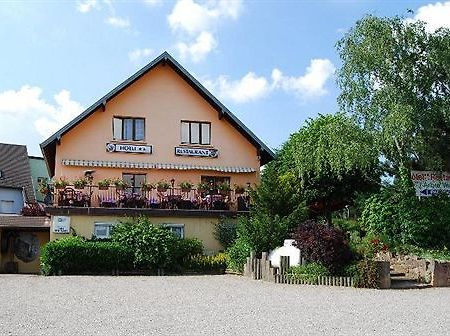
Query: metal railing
{"points": [[172, 198]]}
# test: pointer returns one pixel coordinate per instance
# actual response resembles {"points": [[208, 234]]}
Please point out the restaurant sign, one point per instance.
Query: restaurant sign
{"points": [[429, 183], [200, 152], [111, 147]]}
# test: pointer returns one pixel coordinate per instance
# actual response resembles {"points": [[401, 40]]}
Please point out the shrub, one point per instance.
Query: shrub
{"points": [[201, 263], [237, 255], [367, 274], [225, 232], [75, 255], [323, 244], [187, 248], [308, 272], [404, 219], [153, 247]]}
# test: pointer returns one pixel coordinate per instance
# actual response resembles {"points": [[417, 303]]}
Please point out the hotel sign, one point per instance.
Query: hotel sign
{"points": [[429, 183], [111, 147], [61, 224], [200, 152]]}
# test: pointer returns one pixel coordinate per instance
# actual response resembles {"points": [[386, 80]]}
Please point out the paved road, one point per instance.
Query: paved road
{"points": [[212, 305]]}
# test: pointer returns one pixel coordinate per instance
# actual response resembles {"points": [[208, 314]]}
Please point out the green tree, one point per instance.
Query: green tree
{"points": [[330, 160], [395, 78], [276, 210]]}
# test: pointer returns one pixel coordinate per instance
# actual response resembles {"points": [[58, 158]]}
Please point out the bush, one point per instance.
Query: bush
{"points": [[404, 219], [225, 232], [75, 255], [237, 255], [309, 272], [187, 248], [153, 247], [323, 244], [201, 263], [367, 274]]}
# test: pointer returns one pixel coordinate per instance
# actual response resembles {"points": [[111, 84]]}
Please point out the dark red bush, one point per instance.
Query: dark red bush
{"points": [[324, 244]]}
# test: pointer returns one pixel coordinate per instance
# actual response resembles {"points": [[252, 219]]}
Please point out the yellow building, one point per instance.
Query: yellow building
{"points": [[159, 125]]}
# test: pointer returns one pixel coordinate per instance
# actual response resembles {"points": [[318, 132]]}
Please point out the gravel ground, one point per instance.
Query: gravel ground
{"points": [[212, 305]]}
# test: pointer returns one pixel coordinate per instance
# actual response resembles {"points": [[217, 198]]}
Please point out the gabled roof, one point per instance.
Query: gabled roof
{"points": [[15, 169], [48, 147]]}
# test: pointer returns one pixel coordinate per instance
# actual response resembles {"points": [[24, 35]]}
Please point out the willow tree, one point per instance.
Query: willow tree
{"points": [[395, 78], [331, 159]]}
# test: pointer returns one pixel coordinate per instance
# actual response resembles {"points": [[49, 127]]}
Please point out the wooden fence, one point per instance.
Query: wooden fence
{"points": [[262, 269]]}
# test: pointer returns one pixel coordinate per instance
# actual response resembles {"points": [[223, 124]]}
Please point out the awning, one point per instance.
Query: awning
{"points": [[148, 165]]}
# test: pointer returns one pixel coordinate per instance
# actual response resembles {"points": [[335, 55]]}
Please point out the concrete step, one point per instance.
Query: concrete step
{"points": [[408, 284], [395, 274]]}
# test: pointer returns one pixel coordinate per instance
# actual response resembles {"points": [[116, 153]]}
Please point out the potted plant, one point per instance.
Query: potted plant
{"points": [[147, 186], [239, 189], [61, 183], [43, 187], [120, 184], [80, 183], [185, 186], [162, 186], [224, 188], [202, 187], [104, 184]]}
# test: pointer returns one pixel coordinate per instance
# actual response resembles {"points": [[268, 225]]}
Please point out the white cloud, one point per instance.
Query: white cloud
{"points": [[252, 87], [137, 55], [152, 2], [197, 50], [87, 5], [28, 105], [248, 88], [312, 84], [118, 22], [191, 17], [435, 15]]}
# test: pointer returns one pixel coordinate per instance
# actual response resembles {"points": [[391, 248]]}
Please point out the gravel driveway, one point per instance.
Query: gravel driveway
{"points": [[212, 305]]}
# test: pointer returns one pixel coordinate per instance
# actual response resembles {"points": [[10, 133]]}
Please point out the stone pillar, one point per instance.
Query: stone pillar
{"points": [[440, 274], [384, 269]]}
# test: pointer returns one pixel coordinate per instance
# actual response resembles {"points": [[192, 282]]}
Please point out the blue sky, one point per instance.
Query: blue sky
{"points": [[271, 62]]}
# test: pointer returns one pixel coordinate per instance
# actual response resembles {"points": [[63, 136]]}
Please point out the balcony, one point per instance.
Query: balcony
{"points": [[112, 200]]}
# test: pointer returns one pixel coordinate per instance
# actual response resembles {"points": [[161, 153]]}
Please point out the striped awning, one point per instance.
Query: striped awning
{"points": [[149, 165]]}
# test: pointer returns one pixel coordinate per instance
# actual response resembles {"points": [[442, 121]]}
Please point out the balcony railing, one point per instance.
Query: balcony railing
{"points": [[173, 198]]}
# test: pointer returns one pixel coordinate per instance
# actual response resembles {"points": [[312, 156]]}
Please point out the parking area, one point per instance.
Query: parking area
{"points": [[212, 305]]}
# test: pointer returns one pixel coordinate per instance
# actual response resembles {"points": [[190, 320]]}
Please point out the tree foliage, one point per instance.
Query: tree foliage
{"points": [[330, 159], [395, 78]]}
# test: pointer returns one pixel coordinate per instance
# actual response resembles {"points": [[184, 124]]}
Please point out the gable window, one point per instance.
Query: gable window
{"points": [[194, 132], [132, 129]]}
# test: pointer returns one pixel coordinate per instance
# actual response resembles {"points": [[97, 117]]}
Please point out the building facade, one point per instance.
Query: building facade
{"points": [[21, 237], [160, 145]]}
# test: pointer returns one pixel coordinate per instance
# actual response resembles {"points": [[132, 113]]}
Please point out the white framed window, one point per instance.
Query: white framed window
{"points": [[178, 229], [132, 129], [103, 230], [195, 133]]}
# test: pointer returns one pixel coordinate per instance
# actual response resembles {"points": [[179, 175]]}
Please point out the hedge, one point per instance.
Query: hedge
{"points": [[75, 255]]}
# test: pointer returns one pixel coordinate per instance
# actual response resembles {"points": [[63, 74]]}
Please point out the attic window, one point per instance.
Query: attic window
{"points": [[131, 129]]}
